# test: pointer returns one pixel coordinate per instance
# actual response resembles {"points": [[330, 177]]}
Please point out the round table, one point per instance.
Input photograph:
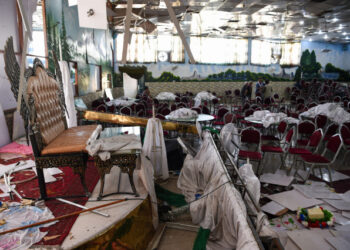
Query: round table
{"points": [[200, 118]]}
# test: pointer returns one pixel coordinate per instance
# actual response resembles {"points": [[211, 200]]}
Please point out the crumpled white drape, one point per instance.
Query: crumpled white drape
{"points": [[68, 95], [332, 110], [203, 96], [166, 96], [222, 211], [106, 146], [154, 148], [183, 113], [230, 139], [109, 93]]}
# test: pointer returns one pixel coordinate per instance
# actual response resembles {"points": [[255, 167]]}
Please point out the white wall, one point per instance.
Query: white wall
{"points": [[8, 27]]}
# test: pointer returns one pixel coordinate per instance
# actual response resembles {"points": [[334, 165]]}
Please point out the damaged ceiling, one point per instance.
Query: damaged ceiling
{"points": [[326, 20]]}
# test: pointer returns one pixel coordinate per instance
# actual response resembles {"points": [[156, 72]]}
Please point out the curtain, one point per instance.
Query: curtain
{"points": [[261, 52], [219, 50], [290, 54]]}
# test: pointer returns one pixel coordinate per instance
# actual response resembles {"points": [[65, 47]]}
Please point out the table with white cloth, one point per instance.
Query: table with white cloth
{"points": [[166, 96], [200, 118], [121, 102], [125, 158]]}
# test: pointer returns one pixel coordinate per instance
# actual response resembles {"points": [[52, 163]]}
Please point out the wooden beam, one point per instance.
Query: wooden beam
{"points": [[127, 30], [179, 30], [20, 27]]}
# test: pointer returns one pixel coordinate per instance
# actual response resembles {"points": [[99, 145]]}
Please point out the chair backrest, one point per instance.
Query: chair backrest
{"points": [[250, 135], [237, 92], [125, 111], [111, 109], [173, 107], [306, 128], [289, 135], [228, 118], [102, 108], [248, 112], [311, 105], [331, 130], [165, 111], [337, 99], [141, 113], [215, 101], [334, 145], [197, 109], [315, 138], [282, 127], [160, 117], [43, 92], [205, 110], [221, 112], [321, 121], [345, 132], [139, 107]]}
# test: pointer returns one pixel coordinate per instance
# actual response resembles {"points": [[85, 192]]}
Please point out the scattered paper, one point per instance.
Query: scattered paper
{"points": [[338, 243], [294, 200], [346, 196], [340, 219], [339, 204], [276, 179], [336, 176], [273, 208], [309, 240], [48, 174], [6, 190], [21, 165], [316, 191]]}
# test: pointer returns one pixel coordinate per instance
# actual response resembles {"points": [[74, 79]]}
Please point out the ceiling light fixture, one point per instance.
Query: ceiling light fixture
{"points": [[347, 38], [335, 20], [325, 36], [320, 32], [301, 22], [344, 33], [310, 39], [340, 26]]}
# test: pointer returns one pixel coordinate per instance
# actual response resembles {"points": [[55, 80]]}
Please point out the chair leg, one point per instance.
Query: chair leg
{"points": [[82, 179], [309, 172], [330, 174]]}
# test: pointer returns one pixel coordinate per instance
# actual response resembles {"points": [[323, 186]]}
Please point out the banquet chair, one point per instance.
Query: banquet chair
{"points": [[228, 118], [337, 99], [197, 109], [219, 117], [321, 121], [334, 145], [111, 109], [43, 107], [311, 147], [173, 107], [345, 134], [205, 110], [125, 111], [250, 137], [311, 105], [101, 108], [165, 111], [281, 130], [141, 113], [331, 130], [304, 131]]}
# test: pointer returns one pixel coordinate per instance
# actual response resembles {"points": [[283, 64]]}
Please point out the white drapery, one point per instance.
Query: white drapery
{"points": [[154, 148], [130, 86]]}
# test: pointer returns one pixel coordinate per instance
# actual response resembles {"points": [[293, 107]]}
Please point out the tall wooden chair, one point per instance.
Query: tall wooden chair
{"points": [[43, 109]]}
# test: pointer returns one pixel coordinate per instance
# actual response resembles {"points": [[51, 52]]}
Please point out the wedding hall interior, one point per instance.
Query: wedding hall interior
{"points": [[175, 124]]}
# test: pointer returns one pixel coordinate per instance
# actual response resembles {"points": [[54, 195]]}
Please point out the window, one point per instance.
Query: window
{"points": [[219, 50], [290, 54], [36, 47], [261, 52], [144, 48]]}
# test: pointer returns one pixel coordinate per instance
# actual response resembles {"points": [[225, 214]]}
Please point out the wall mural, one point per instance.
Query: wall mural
{"points": [[87, 47]]}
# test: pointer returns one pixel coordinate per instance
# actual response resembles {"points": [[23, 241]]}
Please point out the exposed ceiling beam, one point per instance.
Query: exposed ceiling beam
{"points": [[179, 30], [127, 31]]}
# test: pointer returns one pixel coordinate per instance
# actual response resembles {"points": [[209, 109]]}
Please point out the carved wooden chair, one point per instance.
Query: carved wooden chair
{"points": [[43, 109]]}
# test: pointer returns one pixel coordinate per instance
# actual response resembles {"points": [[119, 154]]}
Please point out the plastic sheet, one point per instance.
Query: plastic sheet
{"points": [[332, 110], [154, 148], [222, 210], [183, 113], [17, 216], [203, 96], [166, 96]]}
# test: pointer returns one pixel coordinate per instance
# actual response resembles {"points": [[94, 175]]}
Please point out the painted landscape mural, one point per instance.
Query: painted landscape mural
{"points": [[91, 49]]}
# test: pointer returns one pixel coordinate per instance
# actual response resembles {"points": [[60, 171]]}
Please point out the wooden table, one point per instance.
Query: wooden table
{"points": [[124, 159]]}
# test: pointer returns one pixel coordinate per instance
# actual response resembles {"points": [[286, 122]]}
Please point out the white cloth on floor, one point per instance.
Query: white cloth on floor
{"points": [[222, 211], [166, 96], [203, 96], [183, 113], [68, 95], [106, 146], [332, 110], [154, 148]]}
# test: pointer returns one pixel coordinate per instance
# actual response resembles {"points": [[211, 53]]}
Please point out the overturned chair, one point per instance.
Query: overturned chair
{"points": [[43, 109]]}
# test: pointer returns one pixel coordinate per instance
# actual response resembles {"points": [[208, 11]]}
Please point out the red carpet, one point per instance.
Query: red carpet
{"points": [[67, 183]]}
